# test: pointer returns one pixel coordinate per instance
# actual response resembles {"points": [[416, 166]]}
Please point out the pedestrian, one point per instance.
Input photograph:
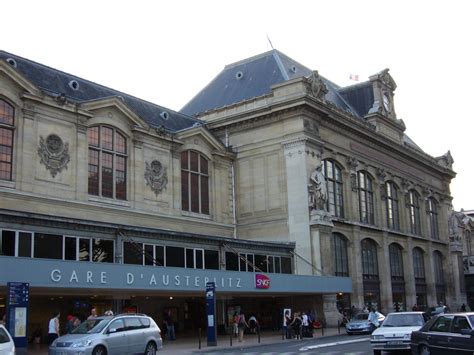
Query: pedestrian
{"points": [[69, 323], [305, 326], [253, 324], [242, 325], [53, 327], [109, 313], [76, 322], [296, 325], [93, 313], [4, 319], [414, 308], [463, 308], [170, 325], [374, 318], [397, 307], [286, 324], [235, 324]]}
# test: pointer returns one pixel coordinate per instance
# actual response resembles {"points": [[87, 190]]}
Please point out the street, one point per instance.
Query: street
{"points": [[337, 345]]}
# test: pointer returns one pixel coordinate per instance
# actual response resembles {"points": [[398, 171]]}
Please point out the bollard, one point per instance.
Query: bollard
{"points": [[199, 337], [338, 327], [322, 329], [258, 334], [230, 337], [282, 333]]}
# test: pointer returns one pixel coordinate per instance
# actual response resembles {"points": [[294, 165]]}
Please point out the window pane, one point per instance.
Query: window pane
{"points": [[195, 193], [149, 259], [184, 161], [199, 259], [250, 263], [84, 249], [271, 267], [6, 149], [204, 194], [121, 179], [193, 157], [70, 245], [120, 143], [277, 264], [231, 261], [190, 258], [93, 136], [174, 256], [261, 262], [285, 265], [107, 175], [204, 169], [184, 191], [93, 172], [7, 113], [7, 243], [24, 244], [103, 251], [106, 138], [159, 255], [133, 253], [48, 246], [211, 259]]}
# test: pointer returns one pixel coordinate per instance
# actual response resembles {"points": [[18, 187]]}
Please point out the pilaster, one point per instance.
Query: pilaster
{"points": [[409, 276], [386, 297]]}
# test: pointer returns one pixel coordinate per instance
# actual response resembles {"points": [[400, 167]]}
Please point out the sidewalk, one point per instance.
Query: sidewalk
{"points": [[190, 345]]}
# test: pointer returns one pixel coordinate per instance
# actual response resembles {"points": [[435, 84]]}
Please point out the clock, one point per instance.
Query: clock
{"points": [[386, 102]]}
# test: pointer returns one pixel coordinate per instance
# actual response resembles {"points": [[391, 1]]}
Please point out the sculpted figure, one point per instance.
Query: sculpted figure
{"points": [[318, 189]]}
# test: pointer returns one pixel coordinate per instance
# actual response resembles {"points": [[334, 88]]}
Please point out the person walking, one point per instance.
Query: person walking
{"points": [[93, 313], [305, 327], [286, 325], [235, 324], [170, 325], [374, 318], [242, 325], [296, 325], [253, 324], [53, 328]]}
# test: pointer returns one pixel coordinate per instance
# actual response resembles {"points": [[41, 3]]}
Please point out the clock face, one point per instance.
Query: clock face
{"points": [[386, 102]]}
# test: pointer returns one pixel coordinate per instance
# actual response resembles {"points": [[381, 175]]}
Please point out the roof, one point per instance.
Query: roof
{"points": [[254, 77], [55, 82]]}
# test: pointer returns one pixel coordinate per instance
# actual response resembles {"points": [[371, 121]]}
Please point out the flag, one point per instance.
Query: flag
{"points": [[354, 77]]}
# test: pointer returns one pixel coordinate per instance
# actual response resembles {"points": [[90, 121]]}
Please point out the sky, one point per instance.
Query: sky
{"points": [[167, 51]]}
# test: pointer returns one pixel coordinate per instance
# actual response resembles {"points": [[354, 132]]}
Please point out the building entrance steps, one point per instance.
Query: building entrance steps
{"points": [[190, 344]]}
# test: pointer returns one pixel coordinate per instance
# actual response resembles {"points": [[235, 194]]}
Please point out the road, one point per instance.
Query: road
{"points": [[337, 345]]}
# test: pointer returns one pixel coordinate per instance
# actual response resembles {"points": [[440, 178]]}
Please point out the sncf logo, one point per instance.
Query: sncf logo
{"points": [[262, 281]]}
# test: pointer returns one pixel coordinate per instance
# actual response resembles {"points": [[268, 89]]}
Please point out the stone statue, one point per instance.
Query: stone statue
{"points": [[457, 224], [318, 190]]}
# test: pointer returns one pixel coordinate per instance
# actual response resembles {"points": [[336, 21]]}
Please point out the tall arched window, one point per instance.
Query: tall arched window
{"points": [[107, 162], [397, 276], [366, 197], [420, 280], [393, 219], [413, 204], [335, 201], [433, 214], [194, 182], [370, 273], [439, 276], [341, 267], [7, 122]]}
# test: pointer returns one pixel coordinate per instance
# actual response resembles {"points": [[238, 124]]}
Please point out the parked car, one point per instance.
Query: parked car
{"points": [[7, 346], [359, 324], [120, 334], [445, 334], [434, 311], [395, 332]]}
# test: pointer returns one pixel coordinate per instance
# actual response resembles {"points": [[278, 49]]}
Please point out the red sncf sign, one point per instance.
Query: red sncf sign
{"points": [[262, 281]]}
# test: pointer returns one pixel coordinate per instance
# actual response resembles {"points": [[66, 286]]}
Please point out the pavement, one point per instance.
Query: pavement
{"points": [[190, 344]]}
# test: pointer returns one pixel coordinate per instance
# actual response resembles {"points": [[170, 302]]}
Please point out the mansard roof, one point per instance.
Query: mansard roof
{"points": [[254, 77], [55, 82]]}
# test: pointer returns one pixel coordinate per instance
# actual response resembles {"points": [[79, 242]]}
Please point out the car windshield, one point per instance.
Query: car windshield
{"points": [[361, 316], [403, 320], [471, 318], [91, 326]]}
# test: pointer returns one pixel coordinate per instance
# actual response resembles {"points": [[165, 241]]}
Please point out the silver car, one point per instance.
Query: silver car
{"points": [[120, 334]]}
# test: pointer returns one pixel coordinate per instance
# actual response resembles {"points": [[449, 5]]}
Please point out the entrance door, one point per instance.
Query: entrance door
{"points": [[197, 313]]}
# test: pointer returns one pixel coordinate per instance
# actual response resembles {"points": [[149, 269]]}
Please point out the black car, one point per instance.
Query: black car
{"points": [[445, 334]]}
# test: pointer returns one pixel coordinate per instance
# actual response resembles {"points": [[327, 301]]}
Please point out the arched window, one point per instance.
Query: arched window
{"points": [[366, 197], [393, 219], [335, 201], [370, 269], [194, 182], [396, 262], [413, 204], [341, 267], [418, 265], [107, 162], [433, 213], [7, 122]]}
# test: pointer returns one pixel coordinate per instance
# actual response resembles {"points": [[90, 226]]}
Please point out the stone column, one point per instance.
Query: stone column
{"points": [[26, 149], [430, 277], [386, 297], [331, 314], [323, 255], [352, 203], [298, 210], [82, 159], [137, 185], [355, 272]]}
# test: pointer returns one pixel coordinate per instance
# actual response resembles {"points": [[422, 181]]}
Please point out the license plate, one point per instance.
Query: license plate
{"points": [[394, 342]]}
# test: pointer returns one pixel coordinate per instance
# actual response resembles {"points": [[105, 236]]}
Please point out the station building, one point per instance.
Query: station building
{"points": [[281, 187]]}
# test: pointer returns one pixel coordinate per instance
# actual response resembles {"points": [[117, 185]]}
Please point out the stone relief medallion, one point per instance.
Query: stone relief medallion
{"points": [[156, 176], [54, 153]]}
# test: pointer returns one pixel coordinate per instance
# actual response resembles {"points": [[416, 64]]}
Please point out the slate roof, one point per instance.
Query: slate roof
{"points": [[55, 82], [258, 74]]}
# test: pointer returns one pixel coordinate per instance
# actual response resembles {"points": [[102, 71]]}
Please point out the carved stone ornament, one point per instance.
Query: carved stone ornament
{"points": [[457, 223], [156, 176], [446, 160], [318, 88], [54, 153]]}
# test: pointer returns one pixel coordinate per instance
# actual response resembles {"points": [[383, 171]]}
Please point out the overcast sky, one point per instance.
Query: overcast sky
{"points": [[166, 51]]}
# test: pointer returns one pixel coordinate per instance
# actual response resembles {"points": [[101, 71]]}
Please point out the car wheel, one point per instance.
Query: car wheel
{"points": [[377, 352], [150, 349], [99, 350], [425, 350]]}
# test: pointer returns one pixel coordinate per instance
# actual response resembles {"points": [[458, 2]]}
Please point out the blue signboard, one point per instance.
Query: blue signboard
{"points": [[17, 312], [211, 314]]}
